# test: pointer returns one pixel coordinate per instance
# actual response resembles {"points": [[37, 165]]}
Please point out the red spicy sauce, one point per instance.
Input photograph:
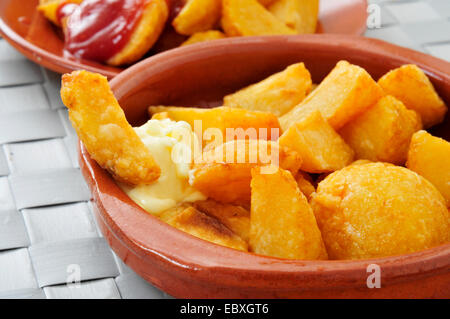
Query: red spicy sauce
{"points": [[64, 10], [98, 29]]}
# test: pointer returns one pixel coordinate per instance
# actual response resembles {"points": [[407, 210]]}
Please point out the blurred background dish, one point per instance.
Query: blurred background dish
{"points": [[35, 37]]}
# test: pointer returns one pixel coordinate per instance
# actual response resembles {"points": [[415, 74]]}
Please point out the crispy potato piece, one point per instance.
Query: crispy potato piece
{"points": [[429, 156], [198, 224], [204, 36], [383, 132], [305, 183], [298, 15], [49, 9], [101, 125], [224, 174], [249, 17], [197, 16], [236, 218], [410, 85], [277, 94], [282, 223], [345, 93], [320, 147], [146, 33], [221, 118], [376, 210]]}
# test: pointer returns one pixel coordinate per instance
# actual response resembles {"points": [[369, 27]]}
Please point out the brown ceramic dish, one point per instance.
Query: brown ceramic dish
{"points": [[36, 38], [185, 266]]}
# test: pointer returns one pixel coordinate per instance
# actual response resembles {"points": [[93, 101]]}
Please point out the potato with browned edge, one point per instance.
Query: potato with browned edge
{"points": [[383, 132], [224, 173], [198, 224], [102, 127], [410, 85], [347, 91], [320, 147], [282, 223], [235, 217], [429, 156], [249, 17], [376, 210], [276, 94]]}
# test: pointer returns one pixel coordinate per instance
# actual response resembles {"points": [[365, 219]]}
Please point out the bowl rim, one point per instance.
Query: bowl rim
{"points": [[182, 252]]}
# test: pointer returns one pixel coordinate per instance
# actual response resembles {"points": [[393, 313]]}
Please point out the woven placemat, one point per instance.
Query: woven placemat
{"points": [[47, 231]]}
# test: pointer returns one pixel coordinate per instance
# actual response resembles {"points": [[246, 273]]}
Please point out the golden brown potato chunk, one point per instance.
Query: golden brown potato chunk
{"points": [[49, 9], [249, 17], [197, 16], [282, 223], [378, 209], [305, 183], [236, 218], [320, 147], [411, 86], [221, 119], [277, 94], [101, 124], [145, 34], [208, 228], [383, 132], [429, 156], [298, 15], [204, 36], [345, 93], [224, 174]]}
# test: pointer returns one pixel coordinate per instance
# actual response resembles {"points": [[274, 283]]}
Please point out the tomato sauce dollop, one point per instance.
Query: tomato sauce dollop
{"points": [[98, 29]]}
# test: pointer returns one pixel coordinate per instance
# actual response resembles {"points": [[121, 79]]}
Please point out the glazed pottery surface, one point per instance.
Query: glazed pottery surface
{"points": [[188, 267]]}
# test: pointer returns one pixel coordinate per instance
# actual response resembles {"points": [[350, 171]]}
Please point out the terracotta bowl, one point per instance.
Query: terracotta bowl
{"points": [[187, 267]]}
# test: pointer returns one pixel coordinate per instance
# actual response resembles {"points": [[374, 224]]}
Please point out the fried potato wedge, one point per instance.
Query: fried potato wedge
{"points": [[383, 132], [282, 224], [429, 156], [410, 85], [300, 15], [305, 184], [49, 8], [198, 224], [197, 16], [345, 93], [101, 125], [204, 36], [224, 172], [320, 147], [277, 94], [236, 218], [145, 34], [221, 119], [249, 17]]}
